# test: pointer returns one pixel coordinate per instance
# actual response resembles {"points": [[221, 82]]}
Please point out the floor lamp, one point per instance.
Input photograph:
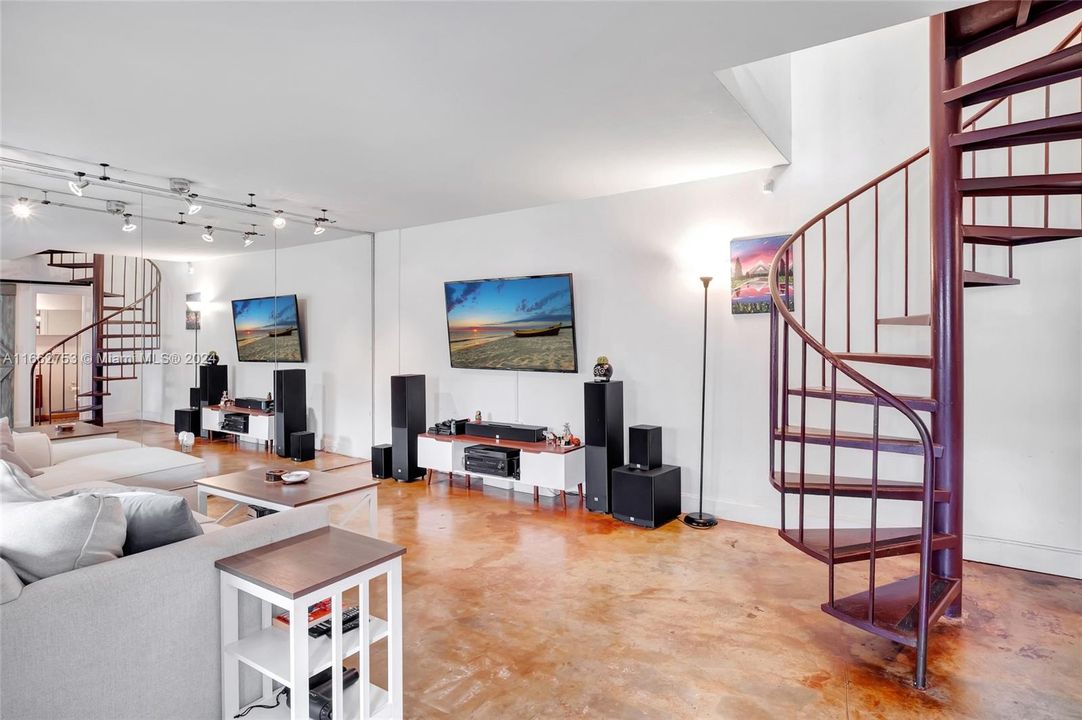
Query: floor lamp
{"points": [[700, 519]]}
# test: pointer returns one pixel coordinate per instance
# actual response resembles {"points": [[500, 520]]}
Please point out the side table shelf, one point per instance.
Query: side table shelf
{"points": [[292, 575]]}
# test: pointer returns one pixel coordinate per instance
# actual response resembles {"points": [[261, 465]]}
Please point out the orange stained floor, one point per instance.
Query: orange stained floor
{"points": [[523, 610]]}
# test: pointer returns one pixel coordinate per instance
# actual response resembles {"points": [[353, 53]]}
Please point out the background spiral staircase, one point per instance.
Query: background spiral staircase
{"points": [[124, 333], [992, 183]]}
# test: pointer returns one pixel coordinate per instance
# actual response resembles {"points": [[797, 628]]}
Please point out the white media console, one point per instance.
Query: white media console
{"points": [[542, 467], [260, 423]]}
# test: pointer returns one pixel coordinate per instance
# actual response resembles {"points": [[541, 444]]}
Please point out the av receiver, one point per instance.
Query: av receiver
{"points": [[488, 460]]}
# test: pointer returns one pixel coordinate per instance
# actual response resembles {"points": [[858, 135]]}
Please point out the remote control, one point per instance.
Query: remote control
{"points": [[350, 621]]}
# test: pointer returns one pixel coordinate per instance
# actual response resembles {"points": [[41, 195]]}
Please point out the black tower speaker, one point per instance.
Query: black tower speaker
{"points": [[381, 461], [407, 422], [213, 383], [644, 446], [603, 435], [649, 498], [194, 399], [302, 446], [290, 408]]}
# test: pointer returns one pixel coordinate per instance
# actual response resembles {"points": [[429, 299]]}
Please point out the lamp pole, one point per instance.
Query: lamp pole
{"points": [[700, 519]]}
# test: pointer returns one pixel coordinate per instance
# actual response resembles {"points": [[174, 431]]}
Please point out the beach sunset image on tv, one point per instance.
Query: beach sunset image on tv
{"points": [[523, 323], [268, 329]]}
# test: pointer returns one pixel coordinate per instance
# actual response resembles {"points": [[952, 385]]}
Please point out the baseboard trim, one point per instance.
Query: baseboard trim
{"points": [[1049, 559]]}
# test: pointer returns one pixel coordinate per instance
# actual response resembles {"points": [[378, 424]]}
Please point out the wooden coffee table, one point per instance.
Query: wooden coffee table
{"points": [[81, 431], [248, 487]]}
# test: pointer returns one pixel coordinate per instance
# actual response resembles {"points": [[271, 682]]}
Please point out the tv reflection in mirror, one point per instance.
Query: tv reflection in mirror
{"points": [[268, 329], [523, 323]]}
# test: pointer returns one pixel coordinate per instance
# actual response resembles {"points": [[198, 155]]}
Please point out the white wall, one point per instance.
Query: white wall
{"points": [[639, 302], [332, 281]]}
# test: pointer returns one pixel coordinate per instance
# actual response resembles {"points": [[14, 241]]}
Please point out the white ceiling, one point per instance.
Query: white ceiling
{"points": [[391, 114]]}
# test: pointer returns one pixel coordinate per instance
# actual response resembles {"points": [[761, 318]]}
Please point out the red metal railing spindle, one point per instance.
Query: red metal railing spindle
{"points": [[833, 453], [848, 286], [784, 414], [905, 249], [875, 275], [875, 500], [823, 306]]}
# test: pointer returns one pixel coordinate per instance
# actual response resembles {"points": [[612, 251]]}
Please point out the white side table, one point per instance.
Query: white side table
{"points": [[294, 574]]}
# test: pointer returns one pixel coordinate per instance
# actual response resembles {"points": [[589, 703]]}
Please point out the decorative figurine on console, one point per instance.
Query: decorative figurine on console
{"points": [[602, 371], [477, 416]]}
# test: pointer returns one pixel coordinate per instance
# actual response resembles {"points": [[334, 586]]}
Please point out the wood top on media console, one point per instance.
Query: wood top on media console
{"points": [[238, 409], [319, 486], [532, 447], [299, 565]]}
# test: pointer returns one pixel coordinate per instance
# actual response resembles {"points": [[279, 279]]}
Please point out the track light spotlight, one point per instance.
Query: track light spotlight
{"points": [[321, 222], [768, 187], [279, 221], [193, 207], [77, 185], [209, 234], [128, 224], [249, 236], [21, 209]]}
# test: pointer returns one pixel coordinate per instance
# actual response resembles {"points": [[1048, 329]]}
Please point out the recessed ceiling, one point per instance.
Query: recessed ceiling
{"points": [[394, 114]]}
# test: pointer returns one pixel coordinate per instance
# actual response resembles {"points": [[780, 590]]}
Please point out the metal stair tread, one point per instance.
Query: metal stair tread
{"points": [[1021, 185], [859, 441], [906, 320], [1006, 235], [917, 402], [896, 607], [855, 544], [1055, 128], [1048, 69], [979, 279], [844, 486], [918, 361]]}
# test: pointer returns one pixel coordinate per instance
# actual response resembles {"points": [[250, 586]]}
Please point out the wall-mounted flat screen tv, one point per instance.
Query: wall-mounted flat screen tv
{"points": [[268, 329], [523, 323]]}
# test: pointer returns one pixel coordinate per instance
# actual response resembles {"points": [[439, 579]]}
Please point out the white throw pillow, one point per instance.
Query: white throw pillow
{"points": [[7, 440], [10, 456], [16, 486], [49, 537]]}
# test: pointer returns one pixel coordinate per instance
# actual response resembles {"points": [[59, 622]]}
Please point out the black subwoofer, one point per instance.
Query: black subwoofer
{"points": [[648, 498], [302, 446], [381, 461], [407, 422]]}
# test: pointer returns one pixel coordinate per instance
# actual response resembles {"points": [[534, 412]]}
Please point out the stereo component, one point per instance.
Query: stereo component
{"points": [[489, 460], [507, 431], [644, 446], [255, 404]]}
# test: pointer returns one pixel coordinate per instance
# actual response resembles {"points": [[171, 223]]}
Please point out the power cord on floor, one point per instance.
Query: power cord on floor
{"points": [[277, 702]]}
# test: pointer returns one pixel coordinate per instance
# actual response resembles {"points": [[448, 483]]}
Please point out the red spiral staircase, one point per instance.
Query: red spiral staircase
{"points": [[823, 352], [124, 333]]}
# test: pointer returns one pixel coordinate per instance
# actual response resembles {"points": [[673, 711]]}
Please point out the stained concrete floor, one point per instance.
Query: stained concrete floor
{"points": [[517, 610]]}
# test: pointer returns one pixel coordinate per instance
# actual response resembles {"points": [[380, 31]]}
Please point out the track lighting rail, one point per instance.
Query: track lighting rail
{"points": [[67, 174]]}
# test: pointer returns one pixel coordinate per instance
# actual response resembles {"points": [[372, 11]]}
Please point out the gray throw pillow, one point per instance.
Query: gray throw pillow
{"points": [[154, 517], [16, 486], [49, 537]]}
